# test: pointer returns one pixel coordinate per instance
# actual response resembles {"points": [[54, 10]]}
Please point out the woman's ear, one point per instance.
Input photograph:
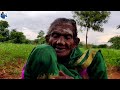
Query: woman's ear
{"points": [[77, 40]]}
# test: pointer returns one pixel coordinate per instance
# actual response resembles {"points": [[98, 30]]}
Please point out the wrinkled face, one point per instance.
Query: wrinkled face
{"points": [[61, 39]]}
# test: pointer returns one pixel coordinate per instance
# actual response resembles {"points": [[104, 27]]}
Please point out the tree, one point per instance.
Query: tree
{"points": [[4, 32], [118, 26], [115, 42], [40, 34], [3, 25], [102, 46], [41, 38], [4, 35], [17, 37], [2, 38], [91, 19], [27, 41]]}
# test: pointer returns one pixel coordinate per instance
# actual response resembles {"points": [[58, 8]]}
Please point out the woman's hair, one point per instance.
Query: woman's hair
{"points": [[63, 20], [59, 21]]}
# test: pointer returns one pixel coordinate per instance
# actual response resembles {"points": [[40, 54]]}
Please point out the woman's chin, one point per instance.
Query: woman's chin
{"points": [[61, 55]]}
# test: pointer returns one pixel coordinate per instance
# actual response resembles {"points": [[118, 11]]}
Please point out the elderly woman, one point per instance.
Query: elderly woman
{"points": [[61, 57]]}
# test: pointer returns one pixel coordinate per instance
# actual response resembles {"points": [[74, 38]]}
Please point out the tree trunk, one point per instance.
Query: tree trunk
{"points": [[86, 37]]}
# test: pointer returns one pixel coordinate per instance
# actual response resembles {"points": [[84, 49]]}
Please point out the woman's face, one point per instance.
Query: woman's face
{"points": [[61, 39]]}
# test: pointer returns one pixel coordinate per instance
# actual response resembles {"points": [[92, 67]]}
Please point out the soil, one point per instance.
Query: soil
{"points": [[13, 71], [113, 72], [114, 75]]}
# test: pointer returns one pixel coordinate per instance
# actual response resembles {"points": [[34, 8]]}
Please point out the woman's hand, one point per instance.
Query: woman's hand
{"points": [[62, 75]]}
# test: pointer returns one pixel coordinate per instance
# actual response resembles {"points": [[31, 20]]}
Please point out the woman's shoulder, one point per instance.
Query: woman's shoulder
{"points": [[44, 47]]}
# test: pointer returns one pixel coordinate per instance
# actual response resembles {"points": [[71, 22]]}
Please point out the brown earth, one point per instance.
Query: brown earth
{"points": [[12, 70], [114, 72]]}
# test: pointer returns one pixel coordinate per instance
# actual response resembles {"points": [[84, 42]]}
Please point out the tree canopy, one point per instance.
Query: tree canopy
{"points": [[4, 32], [91, 19], [17, 37], [115, 42], [41, 37]]}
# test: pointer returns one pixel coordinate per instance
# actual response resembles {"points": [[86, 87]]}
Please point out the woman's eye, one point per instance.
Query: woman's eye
{"points": [[55, 35], [68, 37]]}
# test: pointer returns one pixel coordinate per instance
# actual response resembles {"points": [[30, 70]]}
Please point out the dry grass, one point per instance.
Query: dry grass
{"points": [[12, 70]]}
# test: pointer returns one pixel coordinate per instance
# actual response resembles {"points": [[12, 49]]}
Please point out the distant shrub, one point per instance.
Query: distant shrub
{"points": [[102, 46], [115, 41], [94, 46], [81, 44]]}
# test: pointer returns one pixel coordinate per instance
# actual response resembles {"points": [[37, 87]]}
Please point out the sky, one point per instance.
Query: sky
{"points": [[31, 22]]}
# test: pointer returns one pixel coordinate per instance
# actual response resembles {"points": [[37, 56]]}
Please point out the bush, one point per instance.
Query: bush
{"points": [[102, 46]]}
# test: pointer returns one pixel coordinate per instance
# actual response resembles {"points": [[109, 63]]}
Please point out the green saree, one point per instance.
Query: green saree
{"points": [[42, 64]]}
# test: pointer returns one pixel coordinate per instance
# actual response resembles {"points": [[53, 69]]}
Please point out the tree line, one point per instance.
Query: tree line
{"points": [[85, 19], [15, 36]]}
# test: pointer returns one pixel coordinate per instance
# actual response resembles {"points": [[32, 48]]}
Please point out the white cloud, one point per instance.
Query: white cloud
{"points": [[37, 13], [105, 38], [29, 33], [31, 22]]}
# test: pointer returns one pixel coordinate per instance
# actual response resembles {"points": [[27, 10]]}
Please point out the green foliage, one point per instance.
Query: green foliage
{"points": [[27, 41], [91, 19], [2, 38], [40, 34], [36, 41], [10, 52], [111, 56], [17, 37], [4, 32], [11, 37], [115, 42], [94, 46], [102, 46], [13, 52], [3, 25], [81, 44], [41, 39]]}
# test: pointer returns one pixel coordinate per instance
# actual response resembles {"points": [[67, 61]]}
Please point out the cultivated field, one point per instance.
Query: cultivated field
{"points": [[14, 56]]}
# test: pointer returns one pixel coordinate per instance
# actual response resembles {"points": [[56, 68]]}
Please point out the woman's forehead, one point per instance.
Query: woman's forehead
{"points": [[69, 25], [63, 26], [63, 31]]}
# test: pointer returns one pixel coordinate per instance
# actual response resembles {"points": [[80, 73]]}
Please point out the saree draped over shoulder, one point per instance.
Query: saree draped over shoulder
{"points": [[42, 64]]}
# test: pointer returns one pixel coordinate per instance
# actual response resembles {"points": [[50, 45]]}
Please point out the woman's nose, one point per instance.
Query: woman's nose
{"points": [[61, 40]]}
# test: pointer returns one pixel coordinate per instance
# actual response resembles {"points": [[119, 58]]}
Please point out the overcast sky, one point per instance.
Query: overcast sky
{"points": [[31, 22]]}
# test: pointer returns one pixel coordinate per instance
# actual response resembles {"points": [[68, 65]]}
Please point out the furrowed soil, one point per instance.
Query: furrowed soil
{"points": [[13, 70]]}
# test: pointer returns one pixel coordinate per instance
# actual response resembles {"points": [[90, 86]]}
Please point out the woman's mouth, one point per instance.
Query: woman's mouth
{"points": [[59, 50]]}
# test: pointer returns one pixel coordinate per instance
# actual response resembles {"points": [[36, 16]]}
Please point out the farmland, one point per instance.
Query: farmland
{"points": [[14, 56]]}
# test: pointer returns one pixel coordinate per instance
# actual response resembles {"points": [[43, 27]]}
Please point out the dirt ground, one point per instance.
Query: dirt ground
{"points": [[113, 73], [13, 71]]}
